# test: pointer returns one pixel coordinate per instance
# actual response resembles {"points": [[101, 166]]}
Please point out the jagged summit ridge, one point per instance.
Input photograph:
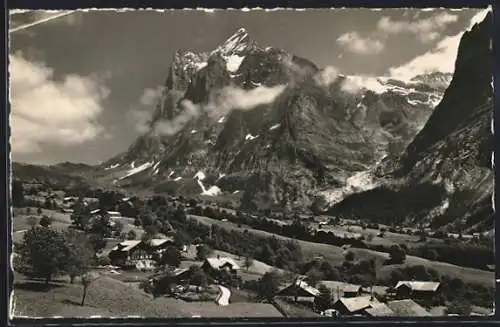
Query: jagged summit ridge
{"points": [[236, 44]]}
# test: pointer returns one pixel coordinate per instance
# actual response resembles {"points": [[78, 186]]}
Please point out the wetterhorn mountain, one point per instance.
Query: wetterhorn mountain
{"points": [[261, 121]]}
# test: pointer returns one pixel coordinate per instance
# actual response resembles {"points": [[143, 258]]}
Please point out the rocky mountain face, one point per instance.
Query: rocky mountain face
{"points": [[444, 178], [270, 125]]}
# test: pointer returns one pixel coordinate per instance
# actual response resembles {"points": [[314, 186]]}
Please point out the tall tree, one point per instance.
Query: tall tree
{"points": [[171, 257], [80, 253], [43, 252], [268, 285], [81, 214], [324, 300], [87, 279]]}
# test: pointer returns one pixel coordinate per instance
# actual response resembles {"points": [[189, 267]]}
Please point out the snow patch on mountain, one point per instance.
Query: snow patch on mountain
{"points": [[233, 63], [177, 179], [193, 131], [222, 119], [354, 84], [250, 137], [136, 170], [155, 166], [359, 182], [256, 84], [274, 126], [212, 191], [200, 65], [171, 173], [112, 166], [200, 176], [132, 164]]}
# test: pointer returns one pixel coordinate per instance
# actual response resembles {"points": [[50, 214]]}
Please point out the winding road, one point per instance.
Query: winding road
{"points": [[223, 297]]}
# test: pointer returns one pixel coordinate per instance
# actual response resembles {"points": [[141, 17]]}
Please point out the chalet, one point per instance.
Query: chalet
{"points": [[211, 265], [407, 308], [163, 281], [342, 290], [124, 253], [299, 288], [414, 289], [130, 253], [354, 305]]}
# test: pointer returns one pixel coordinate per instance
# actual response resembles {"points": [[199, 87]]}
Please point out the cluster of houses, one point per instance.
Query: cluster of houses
{"points": [[352, 300]]}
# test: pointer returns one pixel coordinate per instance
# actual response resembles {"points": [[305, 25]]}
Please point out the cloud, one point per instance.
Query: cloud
{"points": [[441, 58], [45, 111], [220, 103], [327, 76], [355, 43], [151, 96], [427, 30]]}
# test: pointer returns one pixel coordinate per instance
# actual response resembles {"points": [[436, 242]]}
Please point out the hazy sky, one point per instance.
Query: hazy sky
{"points": [[76, 79]]}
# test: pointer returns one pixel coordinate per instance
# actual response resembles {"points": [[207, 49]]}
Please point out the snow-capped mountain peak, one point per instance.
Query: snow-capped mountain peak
{"points": [[235, 44]]}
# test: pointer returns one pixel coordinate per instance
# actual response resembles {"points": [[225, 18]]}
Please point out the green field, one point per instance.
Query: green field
{"points": [[108, 297], [335, 256]]}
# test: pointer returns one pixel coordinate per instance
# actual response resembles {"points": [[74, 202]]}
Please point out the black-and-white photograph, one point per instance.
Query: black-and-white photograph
{"points": [[252, 163]]}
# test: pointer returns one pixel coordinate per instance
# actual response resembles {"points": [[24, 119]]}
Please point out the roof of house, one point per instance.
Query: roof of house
{"points": [[343, 287], [160, 241], [407, 308], [126, 245], [299, 288], [354, 304], [379, 310], [419, 286], [217, 263]]}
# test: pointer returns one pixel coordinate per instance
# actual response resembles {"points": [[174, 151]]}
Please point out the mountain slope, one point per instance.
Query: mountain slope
{"points": [[269, 123], [444, 177]]}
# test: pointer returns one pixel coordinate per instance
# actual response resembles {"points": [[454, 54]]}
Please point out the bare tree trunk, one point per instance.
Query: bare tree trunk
{"points": [[84, 295]]}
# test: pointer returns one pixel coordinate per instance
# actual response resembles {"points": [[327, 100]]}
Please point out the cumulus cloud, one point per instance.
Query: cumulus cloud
{"points": [[441, 58], [427, 30], [46, 111], [220, 103], [355, 43]]}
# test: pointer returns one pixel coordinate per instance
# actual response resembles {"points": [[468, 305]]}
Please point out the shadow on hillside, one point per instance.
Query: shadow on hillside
{"points": [[36, 286]]}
